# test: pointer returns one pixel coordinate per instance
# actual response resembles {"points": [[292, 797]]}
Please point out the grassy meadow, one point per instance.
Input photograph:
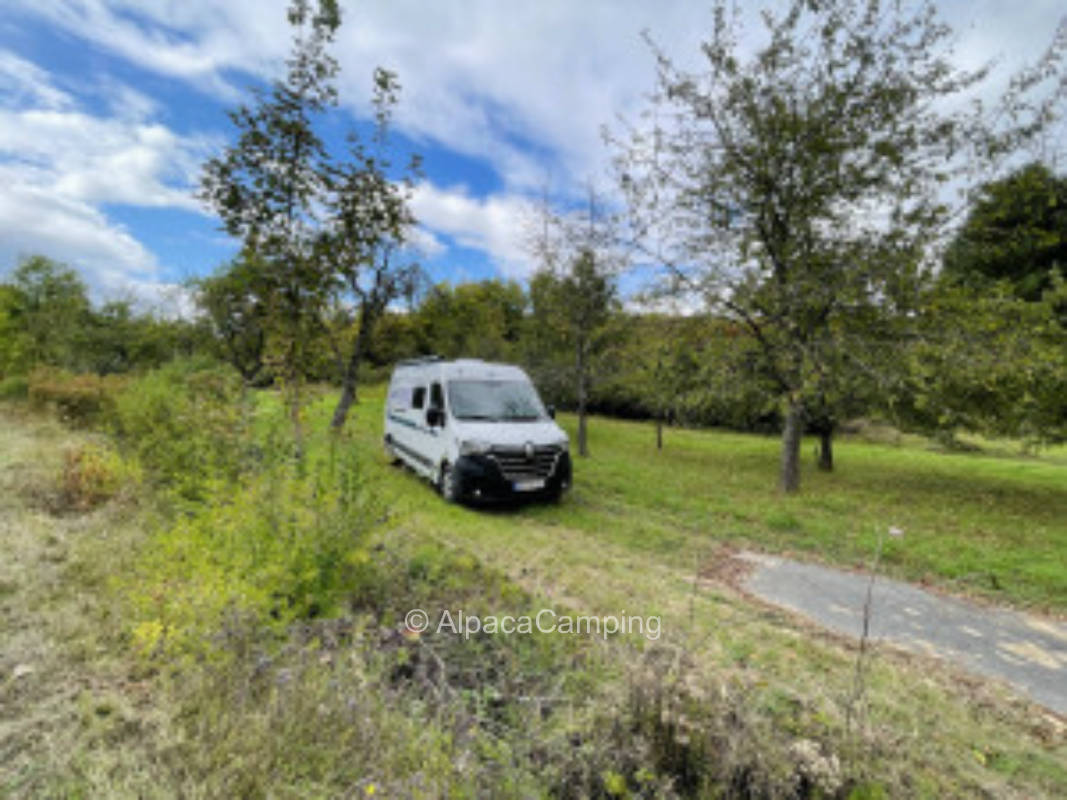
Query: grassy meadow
{"points": [[988, 525], [176, 632]]}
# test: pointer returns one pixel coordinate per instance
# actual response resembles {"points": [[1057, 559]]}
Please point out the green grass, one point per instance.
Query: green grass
{"points": [[640, 524], [985, 525], [320, 719]]}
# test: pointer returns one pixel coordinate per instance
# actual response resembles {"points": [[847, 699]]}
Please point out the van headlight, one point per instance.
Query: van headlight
{"points": [[474, 447], [564, 445]]}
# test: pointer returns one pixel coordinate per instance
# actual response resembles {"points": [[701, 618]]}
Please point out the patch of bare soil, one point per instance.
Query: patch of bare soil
{"points": [[727, 567]]}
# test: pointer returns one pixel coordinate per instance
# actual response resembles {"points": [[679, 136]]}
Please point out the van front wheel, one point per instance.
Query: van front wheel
{"points": [[449, 484]]}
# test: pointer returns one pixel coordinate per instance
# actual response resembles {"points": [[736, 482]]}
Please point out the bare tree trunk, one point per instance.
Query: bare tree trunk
{"points": [[583, 444], [350, 377], [298, 426], [826, 449], [791, 435], [344, 402], [659, 432], [295, 402]]}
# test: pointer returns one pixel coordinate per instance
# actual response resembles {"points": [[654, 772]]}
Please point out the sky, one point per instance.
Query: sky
{"points": [[108, 109]]}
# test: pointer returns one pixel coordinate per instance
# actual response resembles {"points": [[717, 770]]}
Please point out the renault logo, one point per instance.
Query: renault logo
{"points": [[529, 450]]}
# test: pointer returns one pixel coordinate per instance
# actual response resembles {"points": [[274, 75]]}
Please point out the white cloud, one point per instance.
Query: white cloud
{"points": [[23, 83], [424, 243], [112, 262], [59, 164], [685, 306], [195, 41], [525, 86], [496, 224], [125, 102], [32, 217], [103, 160]]}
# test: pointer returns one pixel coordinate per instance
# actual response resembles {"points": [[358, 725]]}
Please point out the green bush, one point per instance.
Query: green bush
{"points": [[91, 475], [82, 401], [14, 387], [187, 423], [288, 544]]}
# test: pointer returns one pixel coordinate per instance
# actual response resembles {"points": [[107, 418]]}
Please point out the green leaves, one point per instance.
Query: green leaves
{"points": [[477, 320], [987, 362], [1016, 231], [798, 188], [234, 301], [321, 233], [48, 304]]}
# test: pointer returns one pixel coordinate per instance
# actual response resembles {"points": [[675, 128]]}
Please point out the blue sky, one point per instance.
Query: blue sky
{"points": [[109, 107]]}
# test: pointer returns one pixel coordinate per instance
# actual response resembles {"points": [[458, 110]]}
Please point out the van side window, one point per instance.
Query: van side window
{"points": [[437, 396], [418, 399], [398, 398]]}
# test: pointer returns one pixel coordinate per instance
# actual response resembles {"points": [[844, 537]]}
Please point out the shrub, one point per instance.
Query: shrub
{"points": [[187, 423], [91, 475], [80, 400], [14, 387], [288, 544]]}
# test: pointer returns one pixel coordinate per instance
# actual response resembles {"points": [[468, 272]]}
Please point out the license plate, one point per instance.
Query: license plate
{"points": [[528, 486]]}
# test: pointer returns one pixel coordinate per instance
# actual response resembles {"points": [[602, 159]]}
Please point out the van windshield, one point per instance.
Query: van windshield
{"points": [[495, 401]]}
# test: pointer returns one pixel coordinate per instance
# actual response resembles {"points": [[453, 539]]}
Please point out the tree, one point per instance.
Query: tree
{"points": [[574, 292], [846, 392], [369, 217], [269, 186], [1016, 231], [112, 334], [13, 360], [575, 305], [482, 319], [660, 361], [234, 303], [46, 318], [987, 361], [374, 292], [662, 375], [397, 335], [798, 190], [49, 305], [323, 232], [990, 350]]}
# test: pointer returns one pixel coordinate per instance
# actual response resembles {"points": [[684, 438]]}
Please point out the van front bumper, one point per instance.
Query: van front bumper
{"points": [[480, 478]]}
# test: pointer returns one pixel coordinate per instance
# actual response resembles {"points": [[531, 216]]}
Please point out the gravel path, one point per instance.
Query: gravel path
{"points": [[1026, 651]]}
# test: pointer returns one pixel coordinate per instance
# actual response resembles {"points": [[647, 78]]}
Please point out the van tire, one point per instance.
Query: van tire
{"points": [[448, 485]]}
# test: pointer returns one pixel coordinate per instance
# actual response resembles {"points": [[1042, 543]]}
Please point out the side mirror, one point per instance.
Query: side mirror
{"points": [[435, 417], [551, 411]]}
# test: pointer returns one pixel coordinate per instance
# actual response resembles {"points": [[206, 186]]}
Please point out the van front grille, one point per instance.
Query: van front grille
{"points": [[516, 466]]}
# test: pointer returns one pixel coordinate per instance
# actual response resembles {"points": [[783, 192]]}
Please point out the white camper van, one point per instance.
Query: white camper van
{"points": [[476, 430]]}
